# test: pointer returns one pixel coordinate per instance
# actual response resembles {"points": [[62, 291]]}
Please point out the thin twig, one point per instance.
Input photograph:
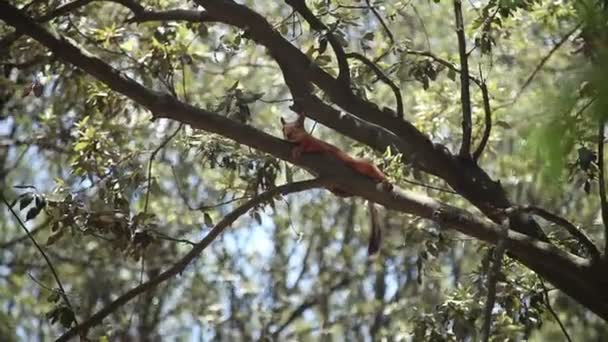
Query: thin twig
{"points": [[307, 304], [488, 121], [560, 221], [141, 280], [164, 236], [63, 10], [553, 313], [602, 181], [202, 207], [465, 96], [543, 61], [152, 156], [499, 252], [422, 24], [22, 238], [382, 76], [9, 39], [379, 17], [42, 285], [182, 263], [443, 62], [63, 293], [317, 25]]}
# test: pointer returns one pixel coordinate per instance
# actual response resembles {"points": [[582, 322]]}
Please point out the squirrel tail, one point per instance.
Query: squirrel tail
{"points": [[375, 237]]}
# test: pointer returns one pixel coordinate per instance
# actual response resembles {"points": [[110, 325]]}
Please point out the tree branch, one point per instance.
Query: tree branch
{"points": [[317, 25], [488, 121], [602, 180], [578, 234], [307, 304], [22, 238], [389, 34], [182, 263], [465, 96], [9, 39], [484, 92], [62, 291], [543, 61], [553, 313], [499, 252], [382, 76], [171, 15], [152, 156], [63, 10]]}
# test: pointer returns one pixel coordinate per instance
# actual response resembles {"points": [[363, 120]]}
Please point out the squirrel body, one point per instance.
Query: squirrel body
{"points": [[295, 133]]}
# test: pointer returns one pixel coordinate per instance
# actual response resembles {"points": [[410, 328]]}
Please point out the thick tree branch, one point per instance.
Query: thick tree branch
{"points": [[578, 234], [172, 15], [317, 25], [182, 263], [382, 76], [465, 96]]}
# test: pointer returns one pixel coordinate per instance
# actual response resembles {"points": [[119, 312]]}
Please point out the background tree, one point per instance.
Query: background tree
{"points": [[148, 195]]}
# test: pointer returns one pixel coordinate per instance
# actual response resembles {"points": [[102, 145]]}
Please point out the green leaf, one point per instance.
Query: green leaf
{"points": [[53, 297], [81, 146], [54, 237], [503, 124], [32, 213], [257, 217], [233, 87], [26, 200], [66, 317], [208, 220], [452, 74], [52, 315]]}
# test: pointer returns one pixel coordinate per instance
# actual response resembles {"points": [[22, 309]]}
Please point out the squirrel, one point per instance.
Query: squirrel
{"points": [[295, 133]]}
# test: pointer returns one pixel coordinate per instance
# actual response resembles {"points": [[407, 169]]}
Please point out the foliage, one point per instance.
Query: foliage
{"points": [[116, 195]]}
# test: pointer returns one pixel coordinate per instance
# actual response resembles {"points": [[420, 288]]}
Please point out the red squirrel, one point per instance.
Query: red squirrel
{"points": [[295, 133]]}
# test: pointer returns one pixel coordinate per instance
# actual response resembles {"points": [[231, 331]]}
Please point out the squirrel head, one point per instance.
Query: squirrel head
{"points": [[294, 131]]}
